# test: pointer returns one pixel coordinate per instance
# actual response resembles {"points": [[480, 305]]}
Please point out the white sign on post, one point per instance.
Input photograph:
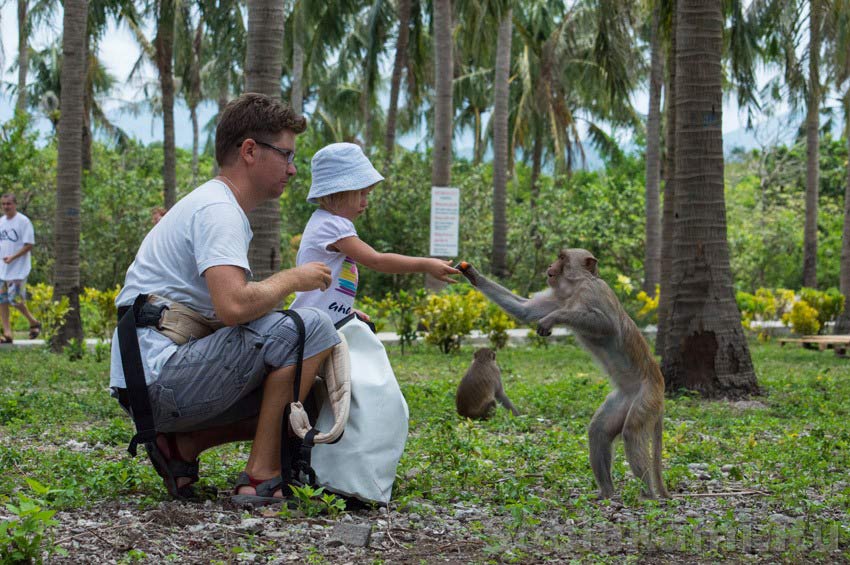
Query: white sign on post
{"points": [[445, 220]]}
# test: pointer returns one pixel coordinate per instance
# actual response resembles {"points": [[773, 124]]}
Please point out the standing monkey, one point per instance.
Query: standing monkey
{"points": [[481, 387], [583, 302]]}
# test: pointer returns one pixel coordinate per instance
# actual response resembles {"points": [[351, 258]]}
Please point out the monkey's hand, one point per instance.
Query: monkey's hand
{"points": [[469, 272], [544, 327]]}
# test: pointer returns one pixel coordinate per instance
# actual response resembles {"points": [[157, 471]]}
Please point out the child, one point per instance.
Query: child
{"points": [[343, 177]]}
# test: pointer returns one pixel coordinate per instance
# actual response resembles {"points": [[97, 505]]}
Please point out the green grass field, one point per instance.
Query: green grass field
{"points": [[765, 476]]}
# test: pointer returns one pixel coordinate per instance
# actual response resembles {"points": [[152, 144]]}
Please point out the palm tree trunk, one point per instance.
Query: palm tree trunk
{"points": [[88, 92], [706, 349], [810, 234], [667, 217], [441, 173], [66, 269], [296, 99], [842, 325], [164, 45], [536, 164], [195, 96], [501, 89], [263, 69], [652, 260], [395, 85], [23, 56], [223, 98]]}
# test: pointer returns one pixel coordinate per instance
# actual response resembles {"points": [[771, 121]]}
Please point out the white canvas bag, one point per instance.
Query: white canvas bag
{"points": [[363, 462]]}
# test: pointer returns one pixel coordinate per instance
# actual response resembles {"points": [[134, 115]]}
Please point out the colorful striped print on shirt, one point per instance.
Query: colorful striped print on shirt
{"points": [[348, 278]]}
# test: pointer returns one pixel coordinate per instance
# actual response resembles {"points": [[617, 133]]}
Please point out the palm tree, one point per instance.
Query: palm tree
{"points": [[810, 233], [500, 143], [160, 52], [705, 349], [402, 39], [652, 258], [263, 69], [23, 56], [188, 61], [441, 171], [66, 271]]}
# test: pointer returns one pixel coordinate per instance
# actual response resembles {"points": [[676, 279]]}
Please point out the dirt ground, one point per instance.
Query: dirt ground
{"points": [[216, 531]]}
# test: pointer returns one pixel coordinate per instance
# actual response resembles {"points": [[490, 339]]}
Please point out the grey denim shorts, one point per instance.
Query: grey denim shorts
{"points": [[217, 380]]}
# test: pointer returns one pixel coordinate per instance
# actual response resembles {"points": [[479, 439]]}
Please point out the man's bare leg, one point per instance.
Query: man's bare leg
{"points": [[22, 308], [264, 461], [4, 319]]}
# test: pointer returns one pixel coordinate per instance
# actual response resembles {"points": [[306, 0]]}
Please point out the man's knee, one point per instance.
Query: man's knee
{"points": [[317, 324]]}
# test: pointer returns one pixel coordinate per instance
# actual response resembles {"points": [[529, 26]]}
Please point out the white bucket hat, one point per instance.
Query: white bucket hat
{"points": [[339, 167]]}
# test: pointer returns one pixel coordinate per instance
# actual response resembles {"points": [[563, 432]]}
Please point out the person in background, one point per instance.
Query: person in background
{"points": [[17, 239]]}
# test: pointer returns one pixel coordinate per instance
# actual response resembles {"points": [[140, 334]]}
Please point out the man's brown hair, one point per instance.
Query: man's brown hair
{"points": [[254, 116]]}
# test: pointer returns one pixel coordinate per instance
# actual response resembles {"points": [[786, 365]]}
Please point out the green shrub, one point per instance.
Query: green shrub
{"points": [[829, 304], [51, 313], [496, 323], [102, 313], [400, 308], [449, 317], [802, 318]]}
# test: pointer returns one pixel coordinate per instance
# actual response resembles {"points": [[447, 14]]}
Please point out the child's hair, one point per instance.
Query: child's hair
{"points": [[335, 201]]}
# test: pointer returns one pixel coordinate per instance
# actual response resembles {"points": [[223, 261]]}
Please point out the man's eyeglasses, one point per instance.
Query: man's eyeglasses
{"points": [[288, 154]]}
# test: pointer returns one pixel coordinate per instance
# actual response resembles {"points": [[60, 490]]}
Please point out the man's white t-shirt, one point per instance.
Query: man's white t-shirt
{"points": [[15, 232], [323, 230], [205, 229]]}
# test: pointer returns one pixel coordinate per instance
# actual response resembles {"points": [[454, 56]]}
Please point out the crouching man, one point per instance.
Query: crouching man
{"points": [[234, 383]]}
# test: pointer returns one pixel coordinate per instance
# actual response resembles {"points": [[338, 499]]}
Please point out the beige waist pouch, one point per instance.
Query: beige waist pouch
{"points": [[180, 323]]}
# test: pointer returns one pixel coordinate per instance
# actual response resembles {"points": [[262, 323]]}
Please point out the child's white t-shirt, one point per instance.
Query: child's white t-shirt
{"points": [[322, 231]]}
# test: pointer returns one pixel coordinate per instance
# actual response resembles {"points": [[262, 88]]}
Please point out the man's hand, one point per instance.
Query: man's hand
{"points": [[312, 276], [440, 269]]}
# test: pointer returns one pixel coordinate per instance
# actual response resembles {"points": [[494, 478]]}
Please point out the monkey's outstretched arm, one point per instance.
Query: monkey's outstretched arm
{"points": [[589, 323], [523, 309]]}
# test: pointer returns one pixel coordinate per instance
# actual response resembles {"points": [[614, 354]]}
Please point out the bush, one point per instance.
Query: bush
{"points": [[401, 309], [495, 324], [829, 304], [449, 317], [100, 316], [802, 318]]}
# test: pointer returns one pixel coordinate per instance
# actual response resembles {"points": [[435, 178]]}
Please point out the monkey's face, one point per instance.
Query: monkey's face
{"points": [[570, 269]]}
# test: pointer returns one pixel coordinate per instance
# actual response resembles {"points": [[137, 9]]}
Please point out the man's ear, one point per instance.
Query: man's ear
{"points": [[590, 265], [248, 150]]}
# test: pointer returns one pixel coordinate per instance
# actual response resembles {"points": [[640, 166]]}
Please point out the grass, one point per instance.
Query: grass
{"points": [[787, 457]]}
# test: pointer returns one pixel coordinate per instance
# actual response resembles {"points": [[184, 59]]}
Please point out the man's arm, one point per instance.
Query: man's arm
{"points": [[237, 301], [21, 252]]}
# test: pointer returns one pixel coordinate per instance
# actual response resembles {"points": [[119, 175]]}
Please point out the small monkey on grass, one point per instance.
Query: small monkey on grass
{"points": [[583, 302], [481, 387]]}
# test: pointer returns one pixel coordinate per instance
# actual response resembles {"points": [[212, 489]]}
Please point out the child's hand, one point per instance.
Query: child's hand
{"points": [[362, 315], [441, 269]]}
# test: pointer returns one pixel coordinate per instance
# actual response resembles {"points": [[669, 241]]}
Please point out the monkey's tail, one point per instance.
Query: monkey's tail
{"points": [[657, 435], [506, 402]]}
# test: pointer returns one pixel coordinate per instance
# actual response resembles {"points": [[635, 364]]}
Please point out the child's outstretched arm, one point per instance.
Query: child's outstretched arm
{"points": [[394, 263]]}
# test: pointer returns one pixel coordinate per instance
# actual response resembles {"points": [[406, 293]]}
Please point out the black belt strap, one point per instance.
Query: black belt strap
{"points": [[134, 374], [288, 449]]}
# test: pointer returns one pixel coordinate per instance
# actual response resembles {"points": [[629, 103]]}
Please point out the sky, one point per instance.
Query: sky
{"points": [[119, 52]]}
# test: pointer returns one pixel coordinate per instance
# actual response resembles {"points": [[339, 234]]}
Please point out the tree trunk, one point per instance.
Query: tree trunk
{"points": [[23, 56], [477, 142], [536, 163], [652, 260], [706, 349], [164, 45], [398, 67], [668, 211], [501, 89], [263, 68], [441, 173], [88, 91], [842, 325], [223, 99], [66, 269], [810, 234], [296, 97], [195, 96]]}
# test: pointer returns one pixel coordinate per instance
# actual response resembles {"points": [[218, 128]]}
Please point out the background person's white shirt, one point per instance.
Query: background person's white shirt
{"points": [[323, 230], [207, 228], [15, 232]]}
